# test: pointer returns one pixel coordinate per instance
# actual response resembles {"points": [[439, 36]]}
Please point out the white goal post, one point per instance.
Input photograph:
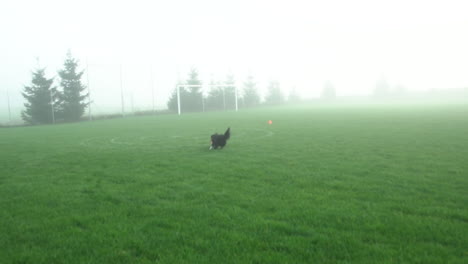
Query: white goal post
{"points": [[201, 86]]}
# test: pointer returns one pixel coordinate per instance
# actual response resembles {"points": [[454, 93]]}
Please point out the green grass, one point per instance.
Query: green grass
{"points": [[322, 184]]}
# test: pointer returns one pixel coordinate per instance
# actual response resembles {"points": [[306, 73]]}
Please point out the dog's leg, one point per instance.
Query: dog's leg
{"points": [[211, 147]]}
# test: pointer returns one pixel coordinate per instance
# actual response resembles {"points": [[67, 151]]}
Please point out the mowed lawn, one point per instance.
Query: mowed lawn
{"points": [[321, 184]]}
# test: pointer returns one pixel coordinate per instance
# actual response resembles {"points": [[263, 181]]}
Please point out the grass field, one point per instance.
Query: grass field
{"points": [[322, 184]]}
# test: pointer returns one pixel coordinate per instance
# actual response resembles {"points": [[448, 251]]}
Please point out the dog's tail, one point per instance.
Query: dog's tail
{"points": [[227, 134]]}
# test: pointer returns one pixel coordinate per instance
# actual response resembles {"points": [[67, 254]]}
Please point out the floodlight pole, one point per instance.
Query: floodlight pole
{"points": [[121, 91], [152, 85], [89, 90], [8, 101], [178, 98], [52, 106], [235, 90], [203, 103], [224, 98]]}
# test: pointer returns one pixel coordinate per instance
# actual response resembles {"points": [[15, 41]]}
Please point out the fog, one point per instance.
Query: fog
{"points": [[419, 45]]}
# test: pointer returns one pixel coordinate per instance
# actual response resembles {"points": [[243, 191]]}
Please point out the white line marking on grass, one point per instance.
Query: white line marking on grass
{"points": [[266, 133], [88, 141], [85, 141], [96, 143], [168, 141], [116, 141]]}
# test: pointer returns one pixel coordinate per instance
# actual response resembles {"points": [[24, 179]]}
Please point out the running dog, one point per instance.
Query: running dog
{"points": [[220, 141]]}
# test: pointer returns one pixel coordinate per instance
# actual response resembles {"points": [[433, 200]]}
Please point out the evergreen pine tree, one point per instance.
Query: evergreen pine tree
{"points": [[172, 102], [328, 92], [382, 89], [229, 95], [274, 96], [190, 97], [194, 100], [73, 100], [214, 101], [251, 96], [42, 99], [294, 96]]}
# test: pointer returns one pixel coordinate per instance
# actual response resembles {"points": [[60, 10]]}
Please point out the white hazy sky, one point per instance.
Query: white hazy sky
{"points": [[415, 43]]}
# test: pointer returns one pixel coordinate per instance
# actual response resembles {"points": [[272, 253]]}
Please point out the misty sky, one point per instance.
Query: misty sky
{"points": [[418, 44]]}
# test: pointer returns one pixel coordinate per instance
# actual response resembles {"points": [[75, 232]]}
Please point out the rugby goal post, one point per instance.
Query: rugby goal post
{"points": [[201, 86]]}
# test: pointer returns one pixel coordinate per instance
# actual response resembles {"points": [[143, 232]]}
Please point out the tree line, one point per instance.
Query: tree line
{"points": [[47, 104], [222, 95]]}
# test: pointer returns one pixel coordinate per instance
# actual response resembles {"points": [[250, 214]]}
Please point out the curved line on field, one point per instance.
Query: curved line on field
{"points": [[265, 133], [155, 141], [116, 141], [87, 141]]}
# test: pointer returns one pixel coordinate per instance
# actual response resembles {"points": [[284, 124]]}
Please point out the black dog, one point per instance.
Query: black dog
{"points": [[220, 140]]}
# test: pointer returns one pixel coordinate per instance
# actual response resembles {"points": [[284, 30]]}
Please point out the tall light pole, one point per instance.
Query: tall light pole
{"points": [[152, 86], [121, 91], [52, 106], [235, 89], [89, 90], [178, 99], [9, 108]]}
